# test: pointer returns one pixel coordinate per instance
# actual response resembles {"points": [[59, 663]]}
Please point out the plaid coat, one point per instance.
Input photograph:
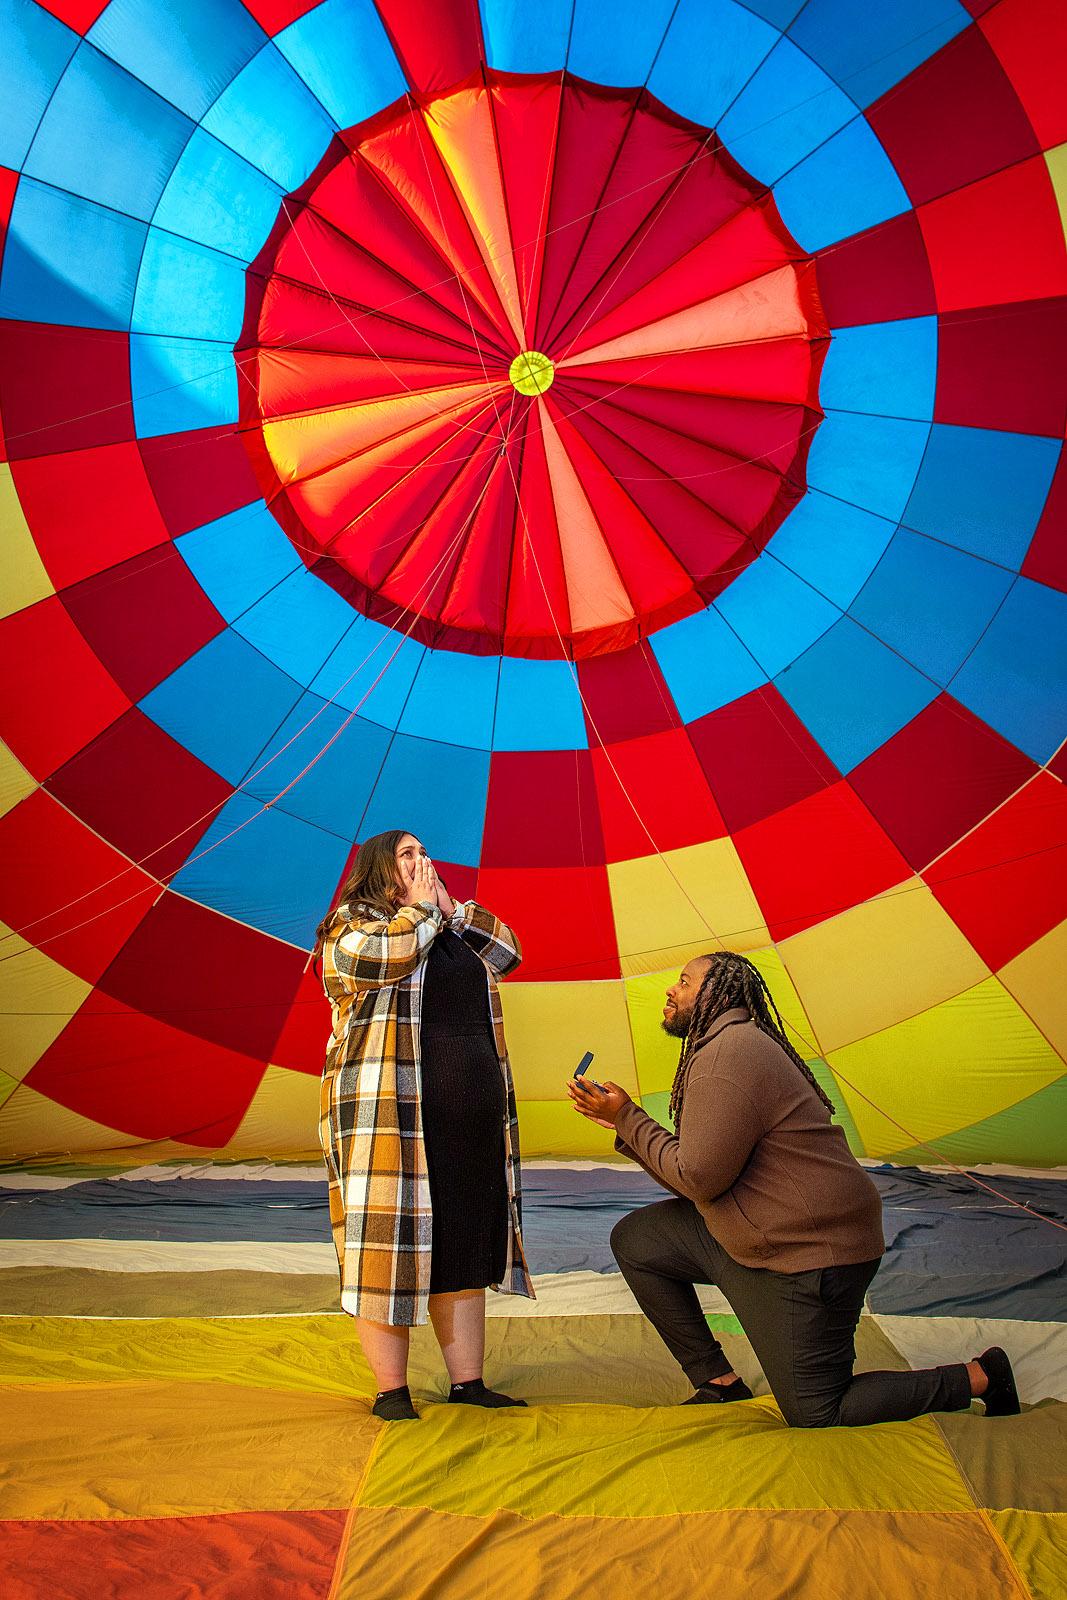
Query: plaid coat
{"points": [[370, 1119]]}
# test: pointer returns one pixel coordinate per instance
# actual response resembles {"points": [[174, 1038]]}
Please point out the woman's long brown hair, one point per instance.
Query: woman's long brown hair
{"points": [[373, 881]]}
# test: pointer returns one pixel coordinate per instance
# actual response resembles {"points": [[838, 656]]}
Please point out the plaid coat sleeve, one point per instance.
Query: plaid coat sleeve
{"points": [[492, 939], [371, 954]]}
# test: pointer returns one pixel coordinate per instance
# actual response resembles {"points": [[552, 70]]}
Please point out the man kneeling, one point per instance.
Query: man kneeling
{"points": [[771, 1207]]}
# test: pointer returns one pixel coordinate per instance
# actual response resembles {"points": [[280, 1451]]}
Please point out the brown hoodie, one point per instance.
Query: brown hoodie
{"points": [[771, 1175]]}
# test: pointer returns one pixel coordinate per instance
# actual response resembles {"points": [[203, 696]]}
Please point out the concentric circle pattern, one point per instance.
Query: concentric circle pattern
{"points": [[674, 317], [570, 637]]}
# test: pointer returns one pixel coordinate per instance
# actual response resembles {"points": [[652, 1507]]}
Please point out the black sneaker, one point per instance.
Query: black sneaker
{"points": [[1001, 1399], [712, 1394]]}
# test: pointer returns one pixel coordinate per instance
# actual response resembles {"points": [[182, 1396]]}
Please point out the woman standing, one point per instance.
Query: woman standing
{"points": [[418, 1119]]}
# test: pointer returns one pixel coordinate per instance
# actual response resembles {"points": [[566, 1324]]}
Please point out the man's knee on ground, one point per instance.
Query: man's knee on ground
{"points": [[811, 1413]]}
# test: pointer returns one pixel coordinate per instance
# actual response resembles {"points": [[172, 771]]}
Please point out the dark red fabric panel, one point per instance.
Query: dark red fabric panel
{"points": [[198, 476], [180, 965], [955, 119], [55, 694], [88, 509], [1005, 885], [541, 810], [939, 777], [302, 1042], [563, 917], [8, 184], [879, 275], [1046, 559], [144, 793], [65, 889], [625, 696], [435, 47], [668, 790], [1030, 39], [1004, 367], [144, 618], [239, 1555], [759, 757], [816, 859], [63, 388]]}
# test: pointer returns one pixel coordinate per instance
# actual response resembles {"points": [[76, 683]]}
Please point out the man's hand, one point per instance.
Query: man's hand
{"points": [[599, 1103]]}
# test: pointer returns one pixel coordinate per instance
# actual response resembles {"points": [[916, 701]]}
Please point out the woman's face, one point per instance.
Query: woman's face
{"points": [[407, 852]]}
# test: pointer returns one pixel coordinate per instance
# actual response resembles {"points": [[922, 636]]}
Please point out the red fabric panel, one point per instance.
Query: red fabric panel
{"points": [[1005, 885], [274, 15], [562, 916], [797, 879], [625, 696], [140, 790], [667, 786], [1030, 39], [180, 965], [759, 757], [999, 240], [435, 48], [88, 509], [302, 1042], [198, 476], [144, 618], [77, 14], [939, 777], [242, 1555], [1004, 367], [956, 118], [541, 810], [526, 121], [141, 1076], [55, 693], [65, 889], [879, 275], [8, 184], [1046, 559], [63, 388]]}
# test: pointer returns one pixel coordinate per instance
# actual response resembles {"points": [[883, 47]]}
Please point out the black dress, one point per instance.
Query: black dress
{"points": [[464, 1108]]}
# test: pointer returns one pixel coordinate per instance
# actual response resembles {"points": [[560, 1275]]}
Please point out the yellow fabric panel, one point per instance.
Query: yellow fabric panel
{"points": [[660, 924], [32, 1125], [728, 1555], [7, 1086], [23, 578], [550, 1026], [1037, 1543], [1056, 161], [1036, 979], [888, 959], [283, 1115], [949, 1068], [15, 782], [38, 997], [604, 1461], [165, 1449], [552, 1128]]}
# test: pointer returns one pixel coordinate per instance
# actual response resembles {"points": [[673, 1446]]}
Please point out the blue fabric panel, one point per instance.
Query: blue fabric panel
{"points": [[106, 137], [538, 707], [185, 289], [711, 51], [888, 369], [983, 490], [789, 107], [343, 54], [224, 704], [1016, 680], [866, 49], [239, 558], [216, 198], [522, 38], [774, 613], [846, 185], [268, 116], [437, 791], [853, 693], [297, 625], [930, 602], [186, 50], [872, 462], [617, 43], [69, 261], [34, 49], [778, 12], [179, 384], [832, 544], [333, 793], [453, 699], [371, 671], [277, 874], [705, 664]]}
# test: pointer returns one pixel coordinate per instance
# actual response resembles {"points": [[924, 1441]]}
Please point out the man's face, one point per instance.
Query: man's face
{"points": [[681, 997]]}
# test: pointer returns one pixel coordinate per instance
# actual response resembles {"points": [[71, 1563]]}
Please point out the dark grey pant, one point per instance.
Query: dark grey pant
{"points": [[801, 1325]]}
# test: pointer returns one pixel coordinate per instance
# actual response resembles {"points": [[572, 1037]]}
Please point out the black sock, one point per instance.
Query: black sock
{"points": [[474, 1393], [715, 1393], [394, 1405]]}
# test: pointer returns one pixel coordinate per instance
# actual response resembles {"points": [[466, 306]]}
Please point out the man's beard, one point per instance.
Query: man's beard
{"points": [[676, 1024]]}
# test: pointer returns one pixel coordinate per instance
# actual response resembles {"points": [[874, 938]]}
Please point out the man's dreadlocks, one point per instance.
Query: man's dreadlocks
{"points": [[733, 980]]}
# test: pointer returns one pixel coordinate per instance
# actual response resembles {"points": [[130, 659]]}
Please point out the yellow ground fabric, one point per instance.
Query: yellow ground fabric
{"points": [[1037, 1541]]}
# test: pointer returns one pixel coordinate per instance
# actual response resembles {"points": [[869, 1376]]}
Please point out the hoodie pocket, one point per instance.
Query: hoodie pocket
{"points": [[735, 1232]]}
